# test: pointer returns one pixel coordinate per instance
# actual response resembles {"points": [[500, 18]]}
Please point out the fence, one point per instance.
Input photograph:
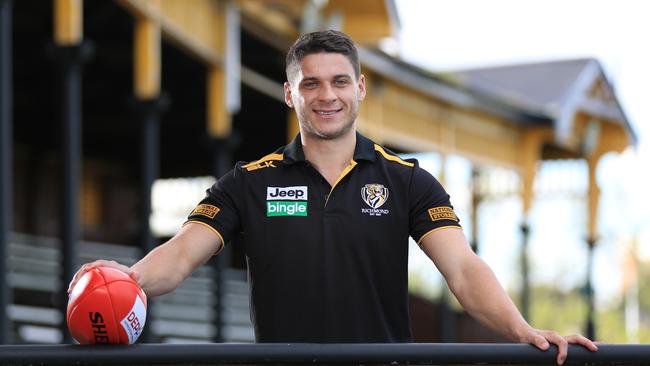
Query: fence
{"points": [[317, 354]]}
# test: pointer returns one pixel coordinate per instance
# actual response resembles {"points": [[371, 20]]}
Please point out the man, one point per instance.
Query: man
{"points": [[326, 221]]}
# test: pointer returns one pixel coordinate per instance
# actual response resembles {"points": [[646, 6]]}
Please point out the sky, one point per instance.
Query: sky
{"points": [[460, 34]]}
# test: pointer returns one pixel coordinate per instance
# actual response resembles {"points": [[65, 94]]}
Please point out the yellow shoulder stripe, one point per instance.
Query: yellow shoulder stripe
{"points": [[392, 157], [436, 229], [223, 243], [258, 163]]}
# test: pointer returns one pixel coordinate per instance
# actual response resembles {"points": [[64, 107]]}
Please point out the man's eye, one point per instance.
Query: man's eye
{"points": [[341, 82], [310, 85]]}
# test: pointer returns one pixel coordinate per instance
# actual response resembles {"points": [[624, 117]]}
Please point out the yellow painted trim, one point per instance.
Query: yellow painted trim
{"points": [[343, 174], [146, 59], [219, 120], [223, 243], [437, 229], [68, 22], [182, 33], [264, 159], [392, 157]]}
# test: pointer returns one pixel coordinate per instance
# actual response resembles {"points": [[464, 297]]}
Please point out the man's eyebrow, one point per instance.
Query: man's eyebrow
{"points": [[337, 76], [309, 78]]}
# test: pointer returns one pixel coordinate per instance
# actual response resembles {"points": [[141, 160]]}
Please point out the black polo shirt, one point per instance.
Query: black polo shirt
{"points": [[328, 264]]}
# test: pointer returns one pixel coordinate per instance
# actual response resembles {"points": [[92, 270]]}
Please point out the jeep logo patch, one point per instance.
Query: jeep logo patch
{"points": [[286, 193]]}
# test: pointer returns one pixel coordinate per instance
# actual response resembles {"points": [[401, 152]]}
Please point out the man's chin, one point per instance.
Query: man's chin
{"points": [[333, 135], [333, 131]]}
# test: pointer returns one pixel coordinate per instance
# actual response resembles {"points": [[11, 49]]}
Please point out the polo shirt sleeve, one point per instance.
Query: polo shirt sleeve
{"points": [[219, 210], [430, 208]]}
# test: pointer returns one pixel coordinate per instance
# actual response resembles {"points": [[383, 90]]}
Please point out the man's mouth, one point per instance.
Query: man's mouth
{"points": [[323, 112]]}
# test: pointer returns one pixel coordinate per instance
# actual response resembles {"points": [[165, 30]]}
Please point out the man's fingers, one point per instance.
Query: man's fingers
{"points": [[562, 346], [135, 276], [99, 263], [542, 339], [540, 342], [583, 341], [80, 272]]}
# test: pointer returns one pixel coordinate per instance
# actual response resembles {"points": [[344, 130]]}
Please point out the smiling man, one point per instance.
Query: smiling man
{"points": [[326, 221]]}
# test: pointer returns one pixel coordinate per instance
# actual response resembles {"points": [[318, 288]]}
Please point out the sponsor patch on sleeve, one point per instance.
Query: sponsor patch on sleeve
{"points": [[205, 210], [442, 213]]}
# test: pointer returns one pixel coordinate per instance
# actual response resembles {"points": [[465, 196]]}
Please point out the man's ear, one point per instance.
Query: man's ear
{"points": [[362, 87], [287, 94]]}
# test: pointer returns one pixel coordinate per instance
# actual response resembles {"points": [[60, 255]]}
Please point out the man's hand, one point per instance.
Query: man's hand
{"points": [[101, 263], [479, 291], [542, 339]]}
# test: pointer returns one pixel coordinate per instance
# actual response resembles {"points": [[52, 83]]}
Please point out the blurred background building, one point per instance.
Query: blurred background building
{"points": [[117, 115]]}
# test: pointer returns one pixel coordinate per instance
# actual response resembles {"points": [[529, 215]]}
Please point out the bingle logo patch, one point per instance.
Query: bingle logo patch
{"points": [[283, 208], [374, 195]]}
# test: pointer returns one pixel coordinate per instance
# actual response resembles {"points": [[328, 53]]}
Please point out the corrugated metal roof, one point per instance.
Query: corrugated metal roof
{"points": [[445, 89], [534, 93], [555, 89], [539, 86]]}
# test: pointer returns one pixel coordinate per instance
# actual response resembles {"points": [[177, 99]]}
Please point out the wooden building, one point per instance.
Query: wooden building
{"points": [[101, 98]]}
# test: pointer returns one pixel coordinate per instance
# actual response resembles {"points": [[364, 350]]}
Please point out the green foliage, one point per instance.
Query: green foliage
{"points": [[610, 326], [423, 287], [564, 312], [644, 286]]}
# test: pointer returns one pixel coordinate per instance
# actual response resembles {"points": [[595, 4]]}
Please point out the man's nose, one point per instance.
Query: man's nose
{"points": [[327, 93]]}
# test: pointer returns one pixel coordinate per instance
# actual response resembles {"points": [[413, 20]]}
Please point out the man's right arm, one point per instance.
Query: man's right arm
{"points": [[166, 266]]}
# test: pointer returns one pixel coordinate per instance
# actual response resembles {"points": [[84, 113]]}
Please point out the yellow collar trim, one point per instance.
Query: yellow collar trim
{"points": [[343, 174], [392, 157]]}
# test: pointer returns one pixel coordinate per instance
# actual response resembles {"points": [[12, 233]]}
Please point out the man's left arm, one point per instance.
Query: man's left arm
{"points": [[480, 293]]}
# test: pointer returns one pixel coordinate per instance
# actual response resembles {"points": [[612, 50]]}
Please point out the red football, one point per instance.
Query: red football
{"points": [[106, 306]]}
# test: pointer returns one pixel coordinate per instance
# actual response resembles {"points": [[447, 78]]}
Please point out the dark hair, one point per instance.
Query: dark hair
{"points": [[322, 41]]}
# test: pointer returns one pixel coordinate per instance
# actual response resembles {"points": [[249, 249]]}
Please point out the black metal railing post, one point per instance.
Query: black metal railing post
{"points": [[70, 60], [590, 330], [524, 302], [6, 161], [148, 112], [222, 150]]}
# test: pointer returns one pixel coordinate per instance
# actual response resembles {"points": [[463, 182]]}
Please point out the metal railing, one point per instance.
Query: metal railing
{"points": [[315, 354]]}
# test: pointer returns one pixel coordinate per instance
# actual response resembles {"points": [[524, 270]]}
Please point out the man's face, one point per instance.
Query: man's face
{"points": [[326, 95]]}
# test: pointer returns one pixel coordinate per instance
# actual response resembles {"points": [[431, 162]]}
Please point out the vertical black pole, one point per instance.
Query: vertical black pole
{"points": [[150, 165], [149, 114], [6, 161], [447, 318], [525, 272], [222, 150], [589, 292], [476, 201], [70, 60], [71, 118]]}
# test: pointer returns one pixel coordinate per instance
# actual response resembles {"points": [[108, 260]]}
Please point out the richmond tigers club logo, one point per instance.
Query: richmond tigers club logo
{"points": [[374, 195]]}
